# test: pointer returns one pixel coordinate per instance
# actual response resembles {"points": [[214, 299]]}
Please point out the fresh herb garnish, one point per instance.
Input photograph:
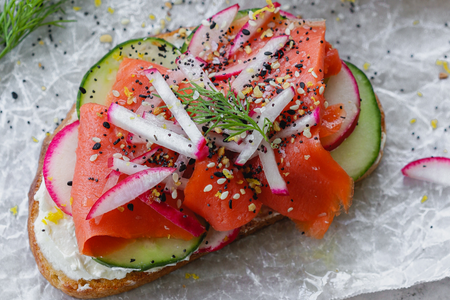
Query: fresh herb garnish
{"points": [[20, 18], [216, 110]]}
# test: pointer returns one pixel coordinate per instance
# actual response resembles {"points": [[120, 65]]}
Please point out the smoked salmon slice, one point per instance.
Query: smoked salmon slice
{"points": [[136, 219]]}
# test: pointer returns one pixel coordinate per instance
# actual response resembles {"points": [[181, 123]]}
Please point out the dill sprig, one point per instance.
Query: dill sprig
{"points": [[20, 18], [227, 112]]}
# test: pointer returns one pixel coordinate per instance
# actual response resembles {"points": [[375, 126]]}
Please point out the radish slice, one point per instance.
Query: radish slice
{"points": [[188, 223], [256, 65], [271, 111], [176, 108], [163, 123], [308, 120], [432, 169], [192, 68], [216, 240], [119, 166], [211, 32], [173, 182], [144, 157], [128, 189], [342, 89], [129, 121], [276, 182], [59, 166], [250, 28], [112, 179], [287, 15]]}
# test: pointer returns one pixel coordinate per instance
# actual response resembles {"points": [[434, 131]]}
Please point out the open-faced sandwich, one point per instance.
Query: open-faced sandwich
{"points": [[171, 153]]}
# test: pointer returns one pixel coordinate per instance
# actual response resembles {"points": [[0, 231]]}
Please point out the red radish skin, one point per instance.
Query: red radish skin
{"points": [[216, 240], [431, 169], [200, 41], [342, 88], [59, 166], [128, 189], [287, 15], [172, 214]]}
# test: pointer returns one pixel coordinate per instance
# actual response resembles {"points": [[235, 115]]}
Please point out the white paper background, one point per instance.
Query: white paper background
{"points": [[388, 240]]}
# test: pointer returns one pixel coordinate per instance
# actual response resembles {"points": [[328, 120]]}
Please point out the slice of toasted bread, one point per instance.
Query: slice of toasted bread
{"points": [[104, 287]]}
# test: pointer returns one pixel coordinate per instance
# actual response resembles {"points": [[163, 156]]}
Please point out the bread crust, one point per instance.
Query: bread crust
{"points": [[104, 287]]}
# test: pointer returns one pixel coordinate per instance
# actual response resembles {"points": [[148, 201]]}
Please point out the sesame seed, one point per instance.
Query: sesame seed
{"points": [[117, 155], [211, 165], [208, 188], [221, 180], [93, 157], [175, 177], [290, 209], [224, 195], [236, 196], [96, 139], [300, 91], [115, 93], [126, 158], [321, 90], [174, 194]]}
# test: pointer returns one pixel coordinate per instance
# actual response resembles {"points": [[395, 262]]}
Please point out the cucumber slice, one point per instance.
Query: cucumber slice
{"points": [[100, 78], [143, 254], [360, 150]]}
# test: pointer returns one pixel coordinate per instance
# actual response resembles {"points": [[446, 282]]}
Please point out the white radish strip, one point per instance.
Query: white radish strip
{"points": [[119, 166], [247, 31], [192, 68], [112, 179], [271, 111], [163, 123], [173, 182], [216, 240], [256, 65], [432, 169], [176, 107], [188, 223], [211, 32], [129, 121], [342, 89], [297, 127], [128, 189], [276, 182], [59, 166]]}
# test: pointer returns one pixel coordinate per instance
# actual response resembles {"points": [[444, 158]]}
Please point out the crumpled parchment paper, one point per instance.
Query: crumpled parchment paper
{"points": [[389, 239]]}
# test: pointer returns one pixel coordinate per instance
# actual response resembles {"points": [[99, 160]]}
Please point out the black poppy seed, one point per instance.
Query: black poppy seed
{"points": [[14, 95]]}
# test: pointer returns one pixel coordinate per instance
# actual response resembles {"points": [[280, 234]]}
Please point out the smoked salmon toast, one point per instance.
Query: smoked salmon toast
{"points": [[247, 119]]}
